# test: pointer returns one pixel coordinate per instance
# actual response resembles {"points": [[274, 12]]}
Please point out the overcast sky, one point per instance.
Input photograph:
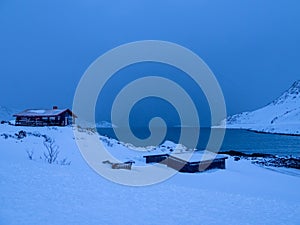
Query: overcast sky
{"points": [[252, 46]]}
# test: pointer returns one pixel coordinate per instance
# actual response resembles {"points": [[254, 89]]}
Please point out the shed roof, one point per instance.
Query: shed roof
{"points": [[43, 112], [198, 156]]}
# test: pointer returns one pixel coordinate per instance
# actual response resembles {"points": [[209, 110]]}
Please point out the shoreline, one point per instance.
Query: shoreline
{"points": [[266, 160], [256, 131], [275, 133]]}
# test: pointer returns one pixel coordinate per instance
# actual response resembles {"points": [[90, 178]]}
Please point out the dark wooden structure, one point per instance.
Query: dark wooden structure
{"points": [[191, 165], [156, 158], [45, 117]]}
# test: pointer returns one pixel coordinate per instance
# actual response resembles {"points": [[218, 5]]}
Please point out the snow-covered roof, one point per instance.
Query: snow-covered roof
{"points": [[43, 112], [198, 156], [195, 156]]}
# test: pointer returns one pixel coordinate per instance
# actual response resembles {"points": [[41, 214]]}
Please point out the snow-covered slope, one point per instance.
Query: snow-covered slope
{"points": [[280, 116], [6, 114], [35, 192]]}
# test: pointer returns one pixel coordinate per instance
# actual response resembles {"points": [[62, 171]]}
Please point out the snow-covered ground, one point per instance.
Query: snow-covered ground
{"points": [[280, 116], [35, 192]]}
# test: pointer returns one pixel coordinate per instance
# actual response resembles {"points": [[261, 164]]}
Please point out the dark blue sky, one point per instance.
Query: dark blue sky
{"points": [[252, 46]]}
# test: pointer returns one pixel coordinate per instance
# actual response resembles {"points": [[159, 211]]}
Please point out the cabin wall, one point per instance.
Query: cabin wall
{"points": [[185, 166], [61, 120], [67, 119]]}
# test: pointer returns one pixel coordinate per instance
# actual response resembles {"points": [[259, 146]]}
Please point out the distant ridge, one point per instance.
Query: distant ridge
{"points": [[105, 124], [7, 113], [281, 116]]}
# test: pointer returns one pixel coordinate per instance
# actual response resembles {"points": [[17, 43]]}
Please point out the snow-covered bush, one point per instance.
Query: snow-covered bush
{"points": [[107, 141]]}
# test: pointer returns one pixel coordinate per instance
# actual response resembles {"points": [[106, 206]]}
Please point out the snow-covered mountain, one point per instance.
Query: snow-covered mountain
{"points": [[280, 116], [105, 124], [6, 113]]}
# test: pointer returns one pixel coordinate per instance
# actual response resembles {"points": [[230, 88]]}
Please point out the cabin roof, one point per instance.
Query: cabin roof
{"points": [[198, 156], [192, 156], [43, 112]]}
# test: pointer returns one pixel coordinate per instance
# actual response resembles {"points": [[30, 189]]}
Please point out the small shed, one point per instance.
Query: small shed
{"points": [[156, 158], [45, 117], [187, 163]]}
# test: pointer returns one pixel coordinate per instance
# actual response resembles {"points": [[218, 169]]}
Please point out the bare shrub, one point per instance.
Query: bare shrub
{"points": [[30, 154], [52, 151], [65, 162]]}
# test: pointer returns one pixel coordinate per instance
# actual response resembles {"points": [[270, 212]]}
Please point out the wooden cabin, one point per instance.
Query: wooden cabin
{"points": [[186, 163], [45, 117]]}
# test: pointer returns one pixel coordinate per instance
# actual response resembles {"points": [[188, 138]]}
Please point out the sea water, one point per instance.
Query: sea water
{"points": [[235, 139]]}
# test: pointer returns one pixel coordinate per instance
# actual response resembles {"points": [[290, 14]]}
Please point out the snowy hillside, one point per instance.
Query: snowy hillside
{"points": [[280, 116], [6, 113], [33, 191]]}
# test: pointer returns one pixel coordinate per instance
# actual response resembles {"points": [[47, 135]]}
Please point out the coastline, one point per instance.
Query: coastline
{"points": [[259, 131], [266, 160]]}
